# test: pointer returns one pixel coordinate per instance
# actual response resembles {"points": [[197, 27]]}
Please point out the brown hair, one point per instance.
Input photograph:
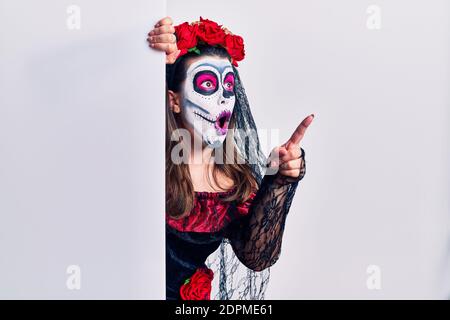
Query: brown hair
{"points": [[179, 188]]}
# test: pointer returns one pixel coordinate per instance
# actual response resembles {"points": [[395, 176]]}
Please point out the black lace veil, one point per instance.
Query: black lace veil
{"points": [[233, 280]]}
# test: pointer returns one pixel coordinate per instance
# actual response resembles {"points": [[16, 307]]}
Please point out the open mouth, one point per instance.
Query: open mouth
{"points": [[221, 122]]}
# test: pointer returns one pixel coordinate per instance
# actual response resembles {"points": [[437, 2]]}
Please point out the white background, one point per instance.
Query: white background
{"points": [[377, 180]]}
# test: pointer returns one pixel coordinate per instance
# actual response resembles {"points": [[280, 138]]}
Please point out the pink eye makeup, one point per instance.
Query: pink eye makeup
{"points": [[205, 82], [228, 82]]}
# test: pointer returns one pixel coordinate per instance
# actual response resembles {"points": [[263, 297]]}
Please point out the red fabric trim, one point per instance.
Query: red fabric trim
{"points": [[210, 213]]}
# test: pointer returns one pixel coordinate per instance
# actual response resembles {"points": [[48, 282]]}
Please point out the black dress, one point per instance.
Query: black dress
{"points": [[254, 229]]}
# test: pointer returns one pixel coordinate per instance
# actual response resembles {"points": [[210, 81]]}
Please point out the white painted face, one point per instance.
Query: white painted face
{"points": [[209, 99]]}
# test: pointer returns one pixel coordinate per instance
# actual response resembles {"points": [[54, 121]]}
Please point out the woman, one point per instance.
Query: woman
{"points": [[218, 184]]}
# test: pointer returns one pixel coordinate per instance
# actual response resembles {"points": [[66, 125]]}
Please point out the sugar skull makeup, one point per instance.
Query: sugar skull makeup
{"points": [[209, 98]]}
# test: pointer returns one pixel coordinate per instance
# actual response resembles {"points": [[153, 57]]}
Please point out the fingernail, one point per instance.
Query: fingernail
{"points": [[151, 32], [151, 38], [152, 44], [312, 115]]}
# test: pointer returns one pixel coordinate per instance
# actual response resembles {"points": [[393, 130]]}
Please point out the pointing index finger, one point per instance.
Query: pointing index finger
{"points": [[298, 134]]}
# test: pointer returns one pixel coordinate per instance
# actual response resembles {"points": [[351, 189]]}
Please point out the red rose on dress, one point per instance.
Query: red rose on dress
{"points": [[210, 32], [235, 47], [198, 287], [186, 37]]}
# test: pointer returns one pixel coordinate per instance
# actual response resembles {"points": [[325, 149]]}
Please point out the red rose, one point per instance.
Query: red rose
{"points": [[186, 37], [198, 287], [235, 47], [210, 32]]}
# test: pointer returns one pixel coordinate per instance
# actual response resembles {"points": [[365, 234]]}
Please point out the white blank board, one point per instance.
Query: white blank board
{"points": [[81, 150]]}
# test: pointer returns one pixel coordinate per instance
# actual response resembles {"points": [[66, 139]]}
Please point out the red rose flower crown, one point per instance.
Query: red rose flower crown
{"points": [[205, 31]]}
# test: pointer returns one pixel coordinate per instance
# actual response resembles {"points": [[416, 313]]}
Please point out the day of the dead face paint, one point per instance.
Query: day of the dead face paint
{"points": [[209, 98]]}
